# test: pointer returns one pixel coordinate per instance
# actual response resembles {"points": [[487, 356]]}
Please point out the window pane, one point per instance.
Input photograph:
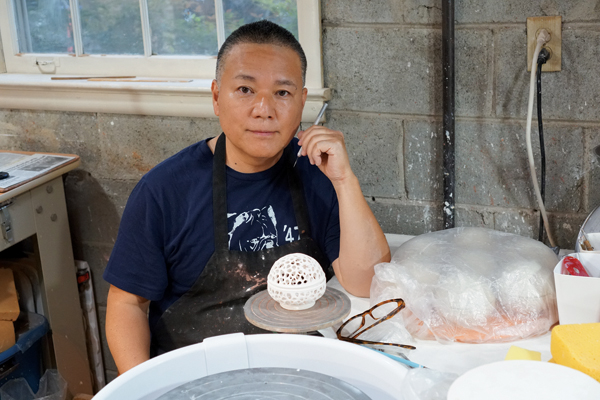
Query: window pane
{"points": [[240, 12], [183, 27], [44, 26], [111, 27]]}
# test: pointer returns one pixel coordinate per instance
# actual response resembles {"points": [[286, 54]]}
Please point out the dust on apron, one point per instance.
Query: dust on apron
{"points": [[215, 303]]}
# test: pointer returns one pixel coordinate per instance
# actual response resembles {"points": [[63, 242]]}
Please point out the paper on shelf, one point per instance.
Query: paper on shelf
{"points": [[23, 167]]}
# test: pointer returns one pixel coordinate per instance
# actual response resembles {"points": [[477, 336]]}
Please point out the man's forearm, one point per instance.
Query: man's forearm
{"points": [[362, 242], [127, 330]]}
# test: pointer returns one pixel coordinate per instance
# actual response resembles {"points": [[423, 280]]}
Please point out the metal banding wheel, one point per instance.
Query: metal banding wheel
{"points": [[266, 384]]}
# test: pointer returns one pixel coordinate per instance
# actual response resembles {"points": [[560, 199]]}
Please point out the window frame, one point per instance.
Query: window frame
{"points": [[27, 83]]}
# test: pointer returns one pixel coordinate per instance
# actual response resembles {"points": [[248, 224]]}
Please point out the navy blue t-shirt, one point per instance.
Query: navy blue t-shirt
{"points": [[166, 234]]}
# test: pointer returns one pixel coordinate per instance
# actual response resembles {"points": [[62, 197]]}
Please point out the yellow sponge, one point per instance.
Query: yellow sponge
{"points": [[577, 346], [518, 353]]}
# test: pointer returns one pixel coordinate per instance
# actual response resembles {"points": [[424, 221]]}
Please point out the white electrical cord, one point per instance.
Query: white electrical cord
{"points": [[543, 37]]}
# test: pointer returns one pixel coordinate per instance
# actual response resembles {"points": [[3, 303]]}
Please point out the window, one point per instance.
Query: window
{"points": [[171, 41]]}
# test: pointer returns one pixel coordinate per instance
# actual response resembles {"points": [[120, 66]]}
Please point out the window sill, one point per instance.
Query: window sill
{"points": [[178, 99]]}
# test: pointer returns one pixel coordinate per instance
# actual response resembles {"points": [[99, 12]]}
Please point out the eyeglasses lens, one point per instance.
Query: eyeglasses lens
{"points": [[383, 310], [354, 326]]}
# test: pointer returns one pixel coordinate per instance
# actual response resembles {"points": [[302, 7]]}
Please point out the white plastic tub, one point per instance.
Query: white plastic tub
{"points": [[376, 375]]}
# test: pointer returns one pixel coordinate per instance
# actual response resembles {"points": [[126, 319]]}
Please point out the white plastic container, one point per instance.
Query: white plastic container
{"points": [[594, 239], [578, 297], [376, 375]]}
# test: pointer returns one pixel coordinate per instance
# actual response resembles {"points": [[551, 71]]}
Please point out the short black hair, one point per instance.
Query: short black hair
{"points": [[260, 32]]}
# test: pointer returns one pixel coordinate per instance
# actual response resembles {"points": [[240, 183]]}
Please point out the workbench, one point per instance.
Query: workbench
{"points": [[38, 208]]}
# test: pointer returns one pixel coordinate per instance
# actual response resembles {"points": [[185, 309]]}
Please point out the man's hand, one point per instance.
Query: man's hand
{"points": [[326, 149], [127, 330], [362, 242]]}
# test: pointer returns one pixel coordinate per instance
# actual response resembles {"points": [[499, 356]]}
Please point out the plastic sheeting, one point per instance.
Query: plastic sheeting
{"points": [[471, 285], [52, 387], [426, 384]]}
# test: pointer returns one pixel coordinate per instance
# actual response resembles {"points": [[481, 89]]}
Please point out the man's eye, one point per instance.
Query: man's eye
{"points": [[244, 89], [283, 93]]}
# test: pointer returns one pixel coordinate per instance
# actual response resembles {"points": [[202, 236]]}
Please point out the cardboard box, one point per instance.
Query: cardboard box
{"points": [[7, 335], [9, 301], [578, 297]]}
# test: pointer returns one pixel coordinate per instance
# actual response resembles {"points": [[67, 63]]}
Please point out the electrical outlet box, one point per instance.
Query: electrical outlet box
{"points": [[554, 27]]}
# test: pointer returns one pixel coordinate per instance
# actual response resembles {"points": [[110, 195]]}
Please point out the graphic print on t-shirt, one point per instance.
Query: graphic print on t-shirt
{"points": [[257, 230], [253, 230]]}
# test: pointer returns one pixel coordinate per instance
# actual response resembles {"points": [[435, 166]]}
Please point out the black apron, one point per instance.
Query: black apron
{"points": [[215, 303]]}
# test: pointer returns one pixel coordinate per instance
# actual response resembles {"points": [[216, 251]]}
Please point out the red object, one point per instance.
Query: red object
{"points": [[83, 278], [572, 266]]}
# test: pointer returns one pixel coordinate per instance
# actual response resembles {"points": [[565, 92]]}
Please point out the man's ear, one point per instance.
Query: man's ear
{"points": [[304, 95], [214, 88]]}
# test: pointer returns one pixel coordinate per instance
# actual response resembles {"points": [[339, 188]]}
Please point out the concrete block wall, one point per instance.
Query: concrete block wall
{"points": [[382, 58]]}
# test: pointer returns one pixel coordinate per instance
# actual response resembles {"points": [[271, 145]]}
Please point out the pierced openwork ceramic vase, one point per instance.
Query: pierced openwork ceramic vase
{"points": [[296, 281]]}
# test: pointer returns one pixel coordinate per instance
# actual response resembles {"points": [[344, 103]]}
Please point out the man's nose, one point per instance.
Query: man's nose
{"points": [[263, 107]]}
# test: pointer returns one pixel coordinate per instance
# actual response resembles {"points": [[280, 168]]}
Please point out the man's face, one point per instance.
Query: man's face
{"points": [[259, 102]]}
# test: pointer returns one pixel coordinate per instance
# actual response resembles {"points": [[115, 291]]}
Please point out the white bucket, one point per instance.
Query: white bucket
{"points": [[578, 297], [376, 375]]}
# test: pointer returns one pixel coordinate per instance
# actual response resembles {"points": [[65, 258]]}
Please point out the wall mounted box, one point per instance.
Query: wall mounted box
{"points": [[552, 24]]}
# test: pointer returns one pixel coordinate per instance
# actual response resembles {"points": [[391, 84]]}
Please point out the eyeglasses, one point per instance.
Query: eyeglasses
{"points": [[380, 312]]}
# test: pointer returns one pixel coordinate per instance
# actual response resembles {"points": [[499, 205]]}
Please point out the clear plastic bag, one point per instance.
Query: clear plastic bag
{"points": [[391, 331], [471, 285], [52, 387], [426, 384]]}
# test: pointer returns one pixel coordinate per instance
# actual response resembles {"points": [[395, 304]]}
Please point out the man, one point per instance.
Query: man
{"points": [[202, 229]]}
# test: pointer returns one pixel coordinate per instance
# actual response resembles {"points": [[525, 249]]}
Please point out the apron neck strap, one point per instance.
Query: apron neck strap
{"points": [[300, 209], [221, 230], [220, 196]]}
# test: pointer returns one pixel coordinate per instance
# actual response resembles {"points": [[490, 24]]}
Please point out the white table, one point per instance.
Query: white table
{"points": [[456, 358]]}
